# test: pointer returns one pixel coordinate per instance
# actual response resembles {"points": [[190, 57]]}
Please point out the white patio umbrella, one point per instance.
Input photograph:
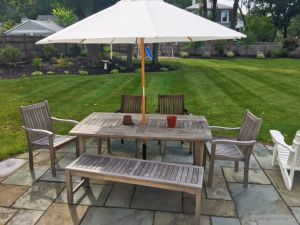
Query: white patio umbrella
{"points": [[142, 21]]}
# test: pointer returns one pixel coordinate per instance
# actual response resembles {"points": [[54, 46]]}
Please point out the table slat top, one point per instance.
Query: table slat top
{"points": [[188, 127]]}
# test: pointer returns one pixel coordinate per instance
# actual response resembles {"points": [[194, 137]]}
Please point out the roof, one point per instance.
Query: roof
{"points": [[34, 28], [45, 17], [209, 6]]}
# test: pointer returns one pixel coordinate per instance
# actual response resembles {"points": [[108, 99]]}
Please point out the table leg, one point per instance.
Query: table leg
{"points": [[198, 153], [82, 148], [144, 150]]}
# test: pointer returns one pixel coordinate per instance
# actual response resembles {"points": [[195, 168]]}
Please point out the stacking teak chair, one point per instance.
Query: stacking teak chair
{"points": [[238, 149], [38, 125]]}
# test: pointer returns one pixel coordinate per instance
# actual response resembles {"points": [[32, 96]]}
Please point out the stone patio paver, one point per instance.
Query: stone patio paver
{"points": [[9, 166], [167, 218], [10, 193], [224, 221], [157, 199], [65, 161], [39, 196], [24, 176], [211, 207], [63, 214], [92, 195], [296, 212], [261, 205], [25, 217], [44, 157], [117, 216], [292, 198], [121, 195], [60, 177], [264, 157], [25, 155], [219, 189], [6, 214], [177, 154], [256, 176]]}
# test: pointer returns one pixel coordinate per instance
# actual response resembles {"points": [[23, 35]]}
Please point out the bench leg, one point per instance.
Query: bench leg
{"points": [[198, 206], [69, 186]]}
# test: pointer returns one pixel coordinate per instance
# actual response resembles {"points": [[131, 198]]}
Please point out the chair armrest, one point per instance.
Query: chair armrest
{"points": [[233, 142], [40, 131], [225, 128], [74, 122]]}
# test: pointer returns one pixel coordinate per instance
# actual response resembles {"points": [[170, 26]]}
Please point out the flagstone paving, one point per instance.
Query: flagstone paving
{"points": [[35, 197]]}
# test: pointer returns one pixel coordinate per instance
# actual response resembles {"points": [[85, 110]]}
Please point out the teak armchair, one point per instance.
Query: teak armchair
{"points": [[238, 149], [38, 125]]}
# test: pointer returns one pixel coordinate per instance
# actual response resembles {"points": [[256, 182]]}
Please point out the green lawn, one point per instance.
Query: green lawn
{"points": [[219, 89]]}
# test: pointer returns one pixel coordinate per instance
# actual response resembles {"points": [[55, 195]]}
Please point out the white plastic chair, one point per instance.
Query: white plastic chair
{"points": [[288, 156]]}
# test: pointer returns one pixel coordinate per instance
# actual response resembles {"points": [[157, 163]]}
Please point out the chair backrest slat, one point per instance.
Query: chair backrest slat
{"points": [[131, 104], [171, 104], [37, 116], [250, 128]]}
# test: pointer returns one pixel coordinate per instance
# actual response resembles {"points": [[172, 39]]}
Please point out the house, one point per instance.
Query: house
{"points": [[40, 27], [224, 13]]}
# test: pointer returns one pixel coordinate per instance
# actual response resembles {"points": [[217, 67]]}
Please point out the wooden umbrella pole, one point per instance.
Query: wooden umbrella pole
{"points": [[143, 81]]}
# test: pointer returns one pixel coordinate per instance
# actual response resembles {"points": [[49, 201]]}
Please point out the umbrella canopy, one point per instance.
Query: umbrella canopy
{"points": [[129, 20], [142, 21]]}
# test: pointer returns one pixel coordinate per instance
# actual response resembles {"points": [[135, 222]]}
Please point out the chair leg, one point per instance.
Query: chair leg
{"points": [[210, 172], [204, 156], [77, 147], [246, 174], [52, 159], [99, 146], [136, 154], [191, 148], [236, 166], [30, 151], [108, 145]]}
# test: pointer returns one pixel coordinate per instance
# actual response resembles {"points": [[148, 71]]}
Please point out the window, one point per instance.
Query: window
{"points": [[225, 16]]}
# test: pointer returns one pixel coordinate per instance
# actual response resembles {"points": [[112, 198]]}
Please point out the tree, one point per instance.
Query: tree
{"points": [[294, 28], [64, 17], [214, 10], [281, 11], [234, 14], [204, 8], [260, 28], [155, 53]]}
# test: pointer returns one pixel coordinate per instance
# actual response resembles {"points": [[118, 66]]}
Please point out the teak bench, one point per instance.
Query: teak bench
{"points": [[185, 178]]}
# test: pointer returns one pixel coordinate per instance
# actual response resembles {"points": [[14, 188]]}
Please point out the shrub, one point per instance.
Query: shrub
{"points": [[183, 54], [10, 55], [260, 55], [114, 71], [290, 43], [50, 73], [164, 69], [206, 55], [139, 70], [75, 50], [49, 51], [220, 46], [37, 62], [37, 73], [278, 52], [230, 54], [83, 73], [63, 63], [116, 55]]}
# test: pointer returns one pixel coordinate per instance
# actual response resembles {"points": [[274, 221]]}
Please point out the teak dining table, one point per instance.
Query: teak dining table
{"points": [[189, 128]]}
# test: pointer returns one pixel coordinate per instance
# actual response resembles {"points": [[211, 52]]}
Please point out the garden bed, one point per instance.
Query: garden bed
{"points": [[76, 66]]}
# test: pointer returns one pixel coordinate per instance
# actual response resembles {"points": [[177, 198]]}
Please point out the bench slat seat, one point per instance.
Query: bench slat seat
{"points": [[185, 178]]}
